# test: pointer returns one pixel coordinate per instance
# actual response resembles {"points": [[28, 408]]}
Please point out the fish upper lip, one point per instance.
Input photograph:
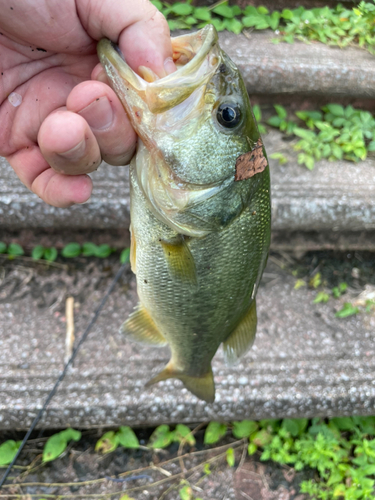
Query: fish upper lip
{"points": [[209, 36], [175, 87]]}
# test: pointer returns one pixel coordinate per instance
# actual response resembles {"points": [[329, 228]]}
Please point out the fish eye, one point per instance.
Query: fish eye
{"points": [[228, 115]]}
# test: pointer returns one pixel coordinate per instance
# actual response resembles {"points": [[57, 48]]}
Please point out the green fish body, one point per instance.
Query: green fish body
{"points": [[200, 207]]}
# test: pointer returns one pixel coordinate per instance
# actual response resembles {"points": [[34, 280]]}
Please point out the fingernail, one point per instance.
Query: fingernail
{"points": [[75, 153], [169, 66], [99, 114]]}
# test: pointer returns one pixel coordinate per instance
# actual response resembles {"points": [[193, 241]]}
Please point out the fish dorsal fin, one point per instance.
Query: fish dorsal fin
{"points": [[140, 327], [180, 260], [242, 338], [203, 387]]}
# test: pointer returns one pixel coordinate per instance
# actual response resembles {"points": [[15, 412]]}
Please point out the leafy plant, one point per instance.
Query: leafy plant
{"points": [[230, 456], [321, 297], [214, 432], [316, 280], [334, 26], [40, 252], [258, 118], [337, 291], [124, 437], [125, 255], [299, 284], [347, 310], [186, 492], [279, 120], [88, 249], [15, 250], [279, 156], [107, 443], [244, 429], [334, 133], [127, 438], [161, 437], [71, 250], [182, 433], [8, 451], [58, 443]]}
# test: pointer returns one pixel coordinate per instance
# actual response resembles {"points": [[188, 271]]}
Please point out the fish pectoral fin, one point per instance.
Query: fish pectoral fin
{"points": [[242, 338], [180, 260], [140, 327], [203, 387]]}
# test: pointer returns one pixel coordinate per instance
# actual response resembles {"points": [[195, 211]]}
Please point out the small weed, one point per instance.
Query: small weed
{"points": [[316, 280], [70, 251], [88, 249], [299, 284], [124, 437], [333, 26], [340, 450], [15, 250], [337, 291], [8, 451], [279, 120], [321, 297], [57, 444], [258, 118], [334, 133], [347, 310], [49, 254], [279, 156], [214, 432]]}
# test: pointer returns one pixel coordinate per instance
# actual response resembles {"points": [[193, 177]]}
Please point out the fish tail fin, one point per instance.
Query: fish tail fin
{"points": [[203, 387]]}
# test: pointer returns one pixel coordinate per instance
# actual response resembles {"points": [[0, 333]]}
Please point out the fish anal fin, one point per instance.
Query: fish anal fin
{"points": [[140, 327], [242, 338], [133, 250], [203, 387], [180, 260]]}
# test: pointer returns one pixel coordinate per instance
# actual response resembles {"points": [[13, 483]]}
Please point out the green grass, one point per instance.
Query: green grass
{"points": [[338, 26]]}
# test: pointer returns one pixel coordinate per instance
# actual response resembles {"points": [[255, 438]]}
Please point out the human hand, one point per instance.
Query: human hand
{"points": [[65, 120]]}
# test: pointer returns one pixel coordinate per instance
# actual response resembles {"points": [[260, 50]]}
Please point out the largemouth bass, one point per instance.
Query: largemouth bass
{"points": [[200, 207]]}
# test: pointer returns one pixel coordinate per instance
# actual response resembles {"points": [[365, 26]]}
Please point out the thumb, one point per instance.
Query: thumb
{"points": [[140, 30]]}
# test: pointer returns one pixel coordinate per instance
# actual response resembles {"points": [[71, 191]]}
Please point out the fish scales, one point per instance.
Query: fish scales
{"points": [[206, 316], [199, 238]]}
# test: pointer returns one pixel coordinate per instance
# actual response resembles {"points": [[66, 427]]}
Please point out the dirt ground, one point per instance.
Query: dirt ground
{"points": [[144, 474], [150, 475]]}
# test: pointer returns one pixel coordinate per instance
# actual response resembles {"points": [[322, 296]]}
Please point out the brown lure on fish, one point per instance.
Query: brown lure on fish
{"points": [[200, 207]]}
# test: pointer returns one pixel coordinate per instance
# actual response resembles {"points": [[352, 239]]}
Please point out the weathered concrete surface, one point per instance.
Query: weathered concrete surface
{"points": [[334, 200], [305, 362], [300, 68]]}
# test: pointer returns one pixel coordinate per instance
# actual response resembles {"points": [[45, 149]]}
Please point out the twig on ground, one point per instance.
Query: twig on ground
{"points": [[69, 339]]}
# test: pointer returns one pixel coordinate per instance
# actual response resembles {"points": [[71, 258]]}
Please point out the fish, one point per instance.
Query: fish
{"points": [[200, 208]]}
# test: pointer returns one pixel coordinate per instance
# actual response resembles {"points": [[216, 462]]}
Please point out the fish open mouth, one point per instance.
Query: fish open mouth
{"points": [[195, 55]]}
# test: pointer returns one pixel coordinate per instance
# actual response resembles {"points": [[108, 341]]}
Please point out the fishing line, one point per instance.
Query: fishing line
{"points": [[63, 373]]}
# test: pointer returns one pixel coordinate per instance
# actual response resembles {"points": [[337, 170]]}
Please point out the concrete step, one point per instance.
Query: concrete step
{"points": [[305, 362], [297, 69], [330, 207]]}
